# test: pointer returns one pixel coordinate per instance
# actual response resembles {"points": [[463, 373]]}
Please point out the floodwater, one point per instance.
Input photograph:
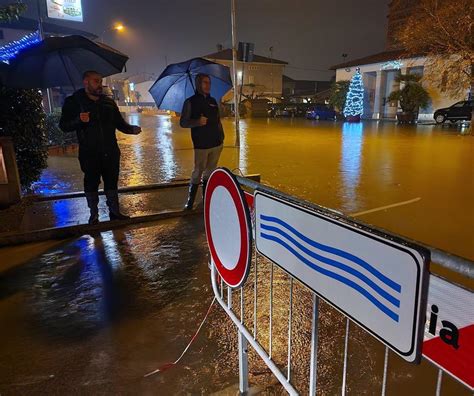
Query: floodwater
{"points": [[97, 314], [348, 167]]}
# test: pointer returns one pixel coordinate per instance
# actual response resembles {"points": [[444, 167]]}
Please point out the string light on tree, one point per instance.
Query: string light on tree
{"points": [[354, 107], [11, 49]]}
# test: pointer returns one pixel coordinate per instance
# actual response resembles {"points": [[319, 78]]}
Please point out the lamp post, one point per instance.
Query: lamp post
{"points": [[271, 72], [234, 66], [41, 36], [118, 27]]}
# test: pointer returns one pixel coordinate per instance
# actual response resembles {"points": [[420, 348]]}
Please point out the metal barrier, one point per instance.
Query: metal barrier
{"points": [[246, 335]]}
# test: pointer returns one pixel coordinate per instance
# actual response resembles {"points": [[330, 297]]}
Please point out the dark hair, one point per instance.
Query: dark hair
{"points": [[89, 73], [199, 78]]}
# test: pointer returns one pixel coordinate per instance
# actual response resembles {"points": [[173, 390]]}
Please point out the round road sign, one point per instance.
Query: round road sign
{"points": [[228, 227]]}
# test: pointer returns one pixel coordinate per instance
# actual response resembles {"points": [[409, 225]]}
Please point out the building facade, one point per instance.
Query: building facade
{"points": [[379, 71], [262, 78]]}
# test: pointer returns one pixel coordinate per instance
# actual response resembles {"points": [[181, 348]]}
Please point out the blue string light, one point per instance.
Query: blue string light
{"points": [[11, 49], [355, 97]]}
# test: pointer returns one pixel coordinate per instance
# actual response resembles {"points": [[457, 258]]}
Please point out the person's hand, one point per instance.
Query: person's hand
{"points": [[85, 117], [202, 120], [136, 130]]}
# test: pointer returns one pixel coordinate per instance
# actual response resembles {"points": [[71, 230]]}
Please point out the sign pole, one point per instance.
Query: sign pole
{"points": [[234, 66], [41, 35]]}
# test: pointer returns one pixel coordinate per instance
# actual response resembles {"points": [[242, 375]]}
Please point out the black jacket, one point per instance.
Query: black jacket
{"points": [[207, 136], [98, 135]]}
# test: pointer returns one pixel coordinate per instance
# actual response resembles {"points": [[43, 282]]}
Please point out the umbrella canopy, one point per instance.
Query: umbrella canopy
{"points": [[61, 61], [176, 83]]}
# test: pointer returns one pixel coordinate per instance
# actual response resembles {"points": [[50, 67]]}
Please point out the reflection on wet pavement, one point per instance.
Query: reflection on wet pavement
{"points": [[74, 211], [100, 312]]}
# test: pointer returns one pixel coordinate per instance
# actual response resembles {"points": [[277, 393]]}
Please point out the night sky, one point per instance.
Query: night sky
{"points": [[309, 34]]}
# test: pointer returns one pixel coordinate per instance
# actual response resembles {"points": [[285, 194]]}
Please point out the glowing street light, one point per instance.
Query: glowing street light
{"points": [[119, 27]]}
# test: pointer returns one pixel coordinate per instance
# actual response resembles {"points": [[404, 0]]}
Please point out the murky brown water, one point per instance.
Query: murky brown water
{"points": [[348, 167], [99, 313]]}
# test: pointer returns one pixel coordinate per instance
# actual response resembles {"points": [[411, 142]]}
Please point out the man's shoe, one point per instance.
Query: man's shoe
{"points": [[93, 204], [114, 207], [191, 196]]}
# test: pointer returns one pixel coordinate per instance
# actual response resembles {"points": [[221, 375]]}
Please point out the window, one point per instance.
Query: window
{"points": [[459, 104], [251, 79], [2, 36]]}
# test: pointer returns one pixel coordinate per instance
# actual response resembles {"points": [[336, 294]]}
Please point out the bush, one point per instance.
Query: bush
{"points": [[23, 119]]}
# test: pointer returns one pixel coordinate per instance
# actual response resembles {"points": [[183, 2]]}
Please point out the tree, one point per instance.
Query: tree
{"points": [[354, 106], [23, 119], [337, 98], [443, 31], [11, 11]]}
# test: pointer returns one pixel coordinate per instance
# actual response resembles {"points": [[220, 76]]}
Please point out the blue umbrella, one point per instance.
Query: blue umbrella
{"points": [[176, 83]]}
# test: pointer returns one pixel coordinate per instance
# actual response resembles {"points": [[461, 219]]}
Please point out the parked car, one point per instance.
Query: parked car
{"points": [[458, 111], [320, 113]]}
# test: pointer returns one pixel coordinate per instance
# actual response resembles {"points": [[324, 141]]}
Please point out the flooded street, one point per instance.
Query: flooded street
{"points": [[348, 167], [94, 315]]}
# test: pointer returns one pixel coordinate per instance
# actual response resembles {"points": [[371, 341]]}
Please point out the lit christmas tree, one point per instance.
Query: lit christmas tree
{"points": [[354, 107]]}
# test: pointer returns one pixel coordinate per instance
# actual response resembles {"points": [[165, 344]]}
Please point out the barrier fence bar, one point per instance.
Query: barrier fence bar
{"points": [[243, 364], [313, 367], [385, 372], [346, 348], [271, 312], [290, 328], [255, 299], [439, 382]]}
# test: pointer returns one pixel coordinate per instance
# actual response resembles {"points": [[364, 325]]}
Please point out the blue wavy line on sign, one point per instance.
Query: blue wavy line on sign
{"points": [[338, 252], [383, 293], [335, 276]]}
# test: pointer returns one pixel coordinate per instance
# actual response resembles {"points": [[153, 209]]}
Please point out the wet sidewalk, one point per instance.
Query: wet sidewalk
{"points": [[45, 217]]}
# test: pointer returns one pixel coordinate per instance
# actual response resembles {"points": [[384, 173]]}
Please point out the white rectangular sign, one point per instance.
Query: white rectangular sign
{"points": [[449, 329], [379, 283], [69, 10]]}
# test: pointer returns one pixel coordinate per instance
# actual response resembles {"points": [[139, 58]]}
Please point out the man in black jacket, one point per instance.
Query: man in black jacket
{"points": [[201, 114], [95, 118]]}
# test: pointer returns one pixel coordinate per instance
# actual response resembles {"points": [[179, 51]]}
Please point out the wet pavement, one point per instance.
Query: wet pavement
{"points": [[74, 211], [97, 314]]}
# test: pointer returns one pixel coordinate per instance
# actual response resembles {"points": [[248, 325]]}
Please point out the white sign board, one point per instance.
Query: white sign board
{"points": [[449, 329], [69, 10], [379, 283]]}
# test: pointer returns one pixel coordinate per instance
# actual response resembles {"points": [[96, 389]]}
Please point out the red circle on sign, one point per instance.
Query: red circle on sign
{"points": [[223, 191]]}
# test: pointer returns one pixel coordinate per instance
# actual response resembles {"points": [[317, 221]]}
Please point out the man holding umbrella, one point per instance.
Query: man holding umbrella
{"points": [[201, 114], [95, 118]]}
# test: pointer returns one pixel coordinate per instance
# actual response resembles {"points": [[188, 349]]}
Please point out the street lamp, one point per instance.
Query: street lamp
{"points": [[119, 27]]}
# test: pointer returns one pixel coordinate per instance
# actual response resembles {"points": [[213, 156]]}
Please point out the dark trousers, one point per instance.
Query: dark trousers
{"points": [[97, 166]]}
